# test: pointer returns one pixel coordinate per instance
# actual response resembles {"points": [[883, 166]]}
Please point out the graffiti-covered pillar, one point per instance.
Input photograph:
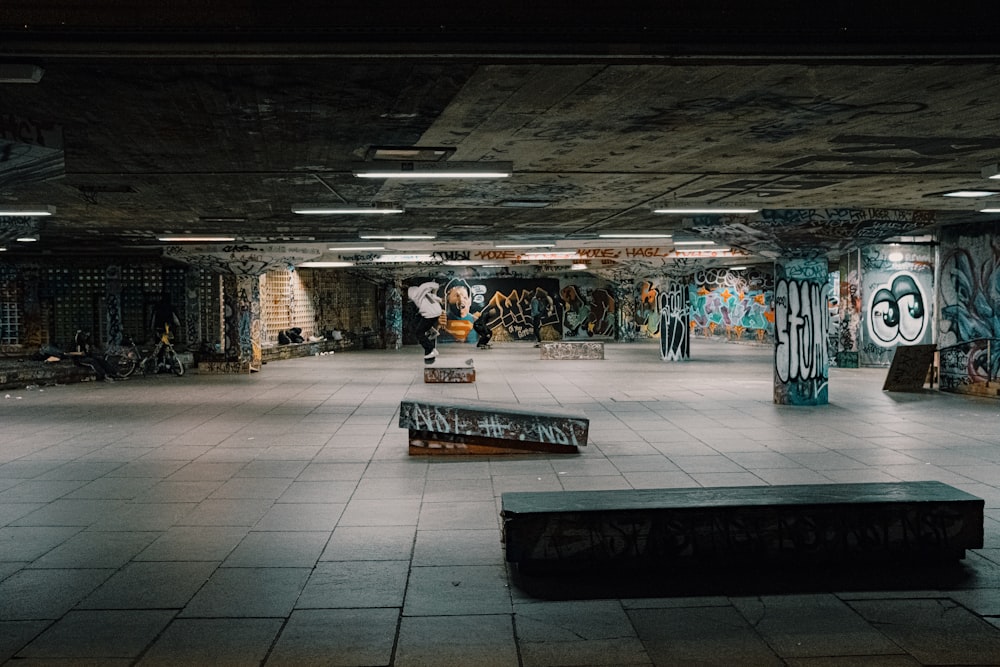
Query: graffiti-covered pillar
{"points": [[394, 316], [801, 359], [625, 326], [674, 307], [241, 296], [192, 306], [33, 324], [113, 305]]}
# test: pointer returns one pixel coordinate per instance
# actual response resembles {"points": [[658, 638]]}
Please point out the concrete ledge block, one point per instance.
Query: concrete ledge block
{"points": [[572, 349]]}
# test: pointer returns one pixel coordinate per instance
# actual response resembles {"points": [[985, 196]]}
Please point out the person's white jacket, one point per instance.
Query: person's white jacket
{"points": [[426, 298]]}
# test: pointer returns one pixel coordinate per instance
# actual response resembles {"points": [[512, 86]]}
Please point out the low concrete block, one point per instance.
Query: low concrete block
{"points": [[830, 524], [572, 349], [223, 367], [449, 374], [478, 427]]}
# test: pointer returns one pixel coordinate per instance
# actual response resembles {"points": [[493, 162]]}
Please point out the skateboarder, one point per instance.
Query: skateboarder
{"points": [[429, 304], [484, 326]]}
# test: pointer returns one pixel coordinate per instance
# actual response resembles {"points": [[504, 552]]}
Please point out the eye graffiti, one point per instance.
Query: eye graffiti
{"points": [[897, 312]]}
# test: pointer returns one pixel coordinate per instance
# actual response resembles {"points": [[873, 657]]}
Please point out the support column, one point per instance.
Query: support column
{"points": [[675, 315], [625, 324], [241, 296], [113, 306], [192, 307], [394, 316], [801, 359]]}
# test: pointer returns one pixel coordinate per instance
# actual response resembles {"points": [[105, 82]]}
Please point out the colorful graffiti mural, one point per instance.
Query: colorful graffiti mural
{"points": [[735, 305], [969, 340]]}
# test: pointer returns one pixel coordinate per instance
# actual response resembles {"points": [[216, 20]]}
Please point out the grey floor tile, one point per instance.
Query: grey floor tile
{"points": [[355, 584], [14, 635], [370, 543], [65, 512], [398, 512], [228, 512], [318, 492], [336, 638], [300, 517], [704, 636], [433, 641], [812, 625], [458, 547], [457, 590], [46, 594], [934, 631], [194, 543], [278, 549], [156, 585], [219, 642], [456, 515], [102, 549], [27, 543], [239, 592], [593, 632], [98, 634]]}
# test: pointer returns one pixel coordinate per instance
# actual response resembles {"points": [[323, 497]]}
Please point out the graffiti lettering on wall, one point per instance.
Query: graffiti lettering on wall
{"points": [[732, 304], [675, 344], [897, 314], [800, 326], [587, 311]]}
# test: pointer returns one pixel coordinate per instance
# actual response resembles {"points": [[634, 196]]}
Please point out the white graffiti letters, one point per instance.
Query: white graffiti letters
{"points": [[800, 326]]}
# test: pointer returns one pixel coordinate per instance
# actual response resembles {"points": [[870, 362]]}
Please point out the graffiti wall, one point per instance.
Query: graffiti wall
{"points": [[733, 305], [464, 299], [969, 308], [801, 320], [897, 287]]}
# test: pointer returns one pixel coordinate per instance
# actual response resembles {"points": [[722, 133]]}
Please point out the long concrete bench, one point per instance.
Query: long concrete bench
{"points": [[572, 349], [479, 427], [450, 374], [670, 529]]}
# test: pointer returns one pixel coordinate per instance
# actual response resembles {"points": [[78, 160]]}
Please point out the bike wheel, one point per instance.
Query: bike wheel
{"points": [[127, 363], [175, 365], [148, 366]]}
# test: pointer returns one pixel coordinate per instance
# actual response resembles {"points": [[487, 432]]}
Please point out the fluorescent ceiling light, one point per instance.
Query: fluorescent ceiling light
{"points": [[3, 248], [385, 236], [438, 170], [989, 210], [694, 242], [26, 211], [196, 239], [20, 73], [578, 267], [324, 265], [549, 255], [737, 268], [991, 171], [397, 259], [356, 248], [344, 209], [970, 194], [692, 211], [637, 235], [30, 238], [463, 262], [524, 245]]}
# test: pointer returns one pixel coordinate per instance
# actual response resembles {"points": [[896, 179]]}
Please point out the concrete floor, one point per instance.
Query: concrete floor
{"points": [[277, 519]]}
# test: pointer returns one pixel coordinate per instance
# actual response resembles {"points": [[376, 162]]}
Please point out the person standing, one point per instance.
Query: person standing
{"points": [[430, 306], [484, 325], [541, 303]]}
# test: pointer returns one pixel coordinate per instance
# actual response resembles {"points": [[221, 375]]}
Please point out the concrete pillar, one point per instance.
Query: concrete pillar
{"points": [[113, 306], [394, 316], [675, 320], [192, 307], [625, 324], [241, 298], [801, 359]]}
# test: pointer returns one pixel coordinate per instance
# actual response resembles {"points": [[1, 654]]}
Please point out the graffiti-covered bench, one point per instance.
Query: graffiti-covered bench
{"points": [[572, 349], [670, 529], [478, 427]]}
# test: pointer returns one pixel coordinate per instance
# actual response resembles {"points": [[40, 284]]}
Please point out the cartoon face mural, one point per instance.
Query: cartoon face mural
{"points": [[897, 314]]}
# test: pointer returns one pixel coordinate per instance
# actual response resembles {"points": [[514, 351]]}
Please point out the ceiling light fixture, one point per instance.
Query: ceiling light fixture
{"points": [[424, 170], [196, 239], [578, 267], [705, 211], [324, 265], [29, 238], [971, 194], [402, 259], [989, 210], [356, 248], [345, 209], [634, 235], [385, 236], [524, 245], [536, 256], [694, 242], [26, 211]]}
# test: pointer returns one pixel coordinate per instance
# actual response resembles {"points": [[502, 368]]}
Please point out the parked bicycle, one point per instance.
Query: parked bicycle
{"points": [[163, 357], [124, 357]]}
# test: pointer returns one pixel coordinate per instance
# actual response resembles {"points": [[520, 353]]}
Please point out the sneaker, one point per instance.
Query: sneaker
{"points": [[433, 353]]}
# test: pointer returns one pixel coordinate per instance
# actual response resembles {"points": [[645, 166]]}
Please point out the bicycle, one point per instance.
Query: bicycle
{"points": [[162, 357], [125, 358]]}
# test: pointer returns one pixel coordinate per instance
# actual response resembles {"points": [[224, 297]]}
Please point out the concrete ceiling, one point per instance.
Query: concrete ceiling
{"points": [[133, 139]]}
